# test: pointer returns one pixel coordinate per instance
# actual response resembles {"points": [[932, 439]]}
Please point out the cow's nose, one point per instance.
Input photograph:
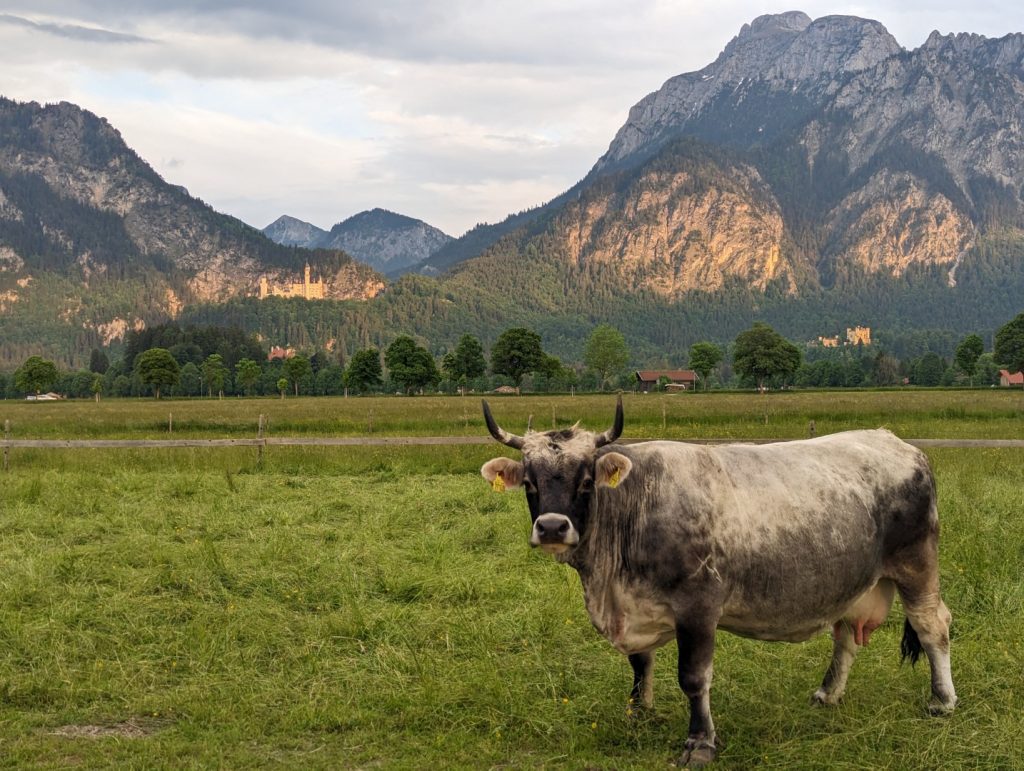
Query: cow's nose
{"points": [[554, 529], [548, 529]]}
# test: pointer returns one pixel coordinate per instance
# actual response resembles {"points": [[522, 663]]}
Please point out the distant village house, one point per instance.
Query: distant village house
{"points": [[307, 288], [1006, 379], [277, 352], [678, 379]]}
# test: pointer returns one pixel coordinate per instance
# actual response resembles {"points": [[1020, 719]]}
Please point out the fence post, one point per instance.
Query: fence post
{"points": [[170, 422], [369, 422], [263, 442], [553, 425], [664, 421], [810, 430], [7, 450]]}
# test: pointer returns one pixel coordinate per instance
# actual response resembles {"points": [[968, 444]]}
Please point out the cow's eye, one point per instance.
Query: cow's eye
{"points": [[529, 486], [587, 485]]}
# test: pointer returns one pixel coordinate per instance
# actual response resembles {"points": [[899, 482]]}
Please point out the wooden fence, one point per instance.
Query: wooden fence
{"points": [[261, 441]]}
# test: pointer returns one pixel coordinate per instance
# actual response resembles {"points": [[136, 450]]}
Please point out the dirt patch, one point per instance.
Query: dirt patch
{"points": [[130, 729]]}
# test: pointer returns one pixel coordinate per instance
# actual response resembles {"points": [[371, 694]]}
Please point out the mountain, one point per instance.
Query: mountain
{"points": [[771, 78], [94, 242], [386, 241], [809, 156], [876, 158], [289, 231]]}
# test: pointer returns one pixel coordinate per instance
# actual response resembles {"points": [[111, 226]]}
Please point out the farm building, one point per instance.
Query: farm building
{"points": [[1006, 379], [678, 379]]}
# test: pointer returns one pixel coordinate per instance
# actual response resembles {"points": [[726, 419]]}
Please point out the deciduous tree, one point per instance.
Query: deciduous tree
{"points": [[967, 355], [190, 382], [214, 373], [36, 375], [1009, 345], [605, 352], [298, 369], [364, 371], [928, 369], [156, 367], [760, 353], [247, 374], [466, 361], [704, 358], [516, 351], [410, 366]]}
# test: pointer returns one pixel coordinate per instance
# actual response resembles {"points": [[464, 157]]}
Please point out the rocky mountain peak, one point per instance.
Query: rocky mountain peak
{"points": [[385, 240], [781, 53], [1005, 52], [290, 231], [768, 30]]}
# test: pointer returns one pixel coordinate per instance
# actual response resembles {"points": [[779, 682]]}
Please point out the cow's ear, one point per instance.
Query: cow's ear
{"points": [[612, 469], [508, 471]]}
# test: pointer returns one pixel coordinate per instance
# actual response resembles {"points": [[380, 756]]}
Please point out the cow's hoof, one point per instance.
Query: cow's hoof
{"points": [[937, 708], [698, 752], [636, 710], [821, 699]]}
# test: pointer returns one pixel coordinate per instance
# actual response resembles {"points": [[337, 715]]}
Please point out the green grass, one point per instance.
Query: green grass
{"points": [[301, 617], [982, 413]]}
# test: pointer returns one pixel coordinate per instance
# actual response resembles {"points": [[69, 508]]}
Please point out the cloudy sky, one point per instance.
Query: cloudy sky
{"points": [[452, 111]]}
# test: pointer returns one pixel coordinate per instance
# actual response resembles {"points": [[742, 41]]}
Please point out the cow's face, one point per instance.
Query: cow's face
{"points": [[559, 472]]}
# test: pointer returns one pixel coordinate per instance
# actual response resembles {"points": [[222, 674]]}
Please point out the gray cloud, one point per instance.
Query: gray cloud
{"points": [[73, 31]]}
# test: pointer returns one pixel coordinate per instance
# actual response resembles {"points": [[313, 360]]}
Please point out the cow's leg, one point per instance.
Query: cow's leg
{"points": [[844, 650], [918, 585], [643, 679], [696, 654], [930, 618]]}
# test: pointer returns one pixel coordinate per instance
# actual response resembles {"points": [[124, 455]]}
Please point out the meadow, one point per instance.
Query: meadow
{"points": [[925, 413], [380, 607]]}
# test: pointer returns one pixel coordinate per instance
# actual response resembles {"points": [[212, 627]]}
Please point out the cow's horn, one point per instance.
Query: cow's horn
{"points": [[498, 432], [615, 431]]}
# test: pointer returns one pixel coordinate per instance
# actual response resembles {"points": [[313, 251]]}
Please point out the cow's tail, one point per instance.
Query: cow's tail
{"points": [[910, 645]]}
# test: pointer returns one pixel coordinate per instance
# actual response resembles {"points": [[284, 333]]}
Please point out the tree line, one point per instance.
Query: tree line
{"points": [[170, 360]]}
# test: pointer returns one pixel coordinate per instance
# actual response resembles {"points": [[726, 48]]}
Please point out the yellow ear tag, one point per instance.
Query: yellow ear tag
{"points": [[498, 485], [613, 480]]}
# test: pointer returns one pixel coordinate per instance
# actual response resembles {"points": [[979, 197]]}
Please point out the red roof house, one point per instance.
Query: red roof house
{"points": [[679, 379], [1006, 379]]}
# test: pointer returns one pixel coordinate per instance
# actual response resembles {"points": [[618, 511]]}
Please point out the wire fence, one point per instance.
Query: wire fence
{"points": [[261, 441]]}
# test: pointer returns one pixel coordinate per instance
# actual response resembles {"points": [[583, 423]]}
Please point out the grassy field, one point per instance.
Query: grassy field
{"points": [[381, 608], [983, 413]]}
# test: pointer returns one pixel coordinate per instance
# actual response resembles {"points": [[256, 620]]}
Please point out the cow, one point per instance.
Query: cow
{"points": [[781, 541]]}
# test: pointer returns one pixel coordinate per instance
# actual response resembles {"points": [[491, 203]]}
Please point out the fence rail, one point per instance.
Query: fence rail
{"points": [[262, 441]]}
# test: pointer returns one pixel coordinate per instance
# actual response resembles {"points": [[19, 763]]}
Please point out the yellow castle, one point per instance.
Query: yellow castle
{"points": [[854, 336], [307, 288], [857, 335]]}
